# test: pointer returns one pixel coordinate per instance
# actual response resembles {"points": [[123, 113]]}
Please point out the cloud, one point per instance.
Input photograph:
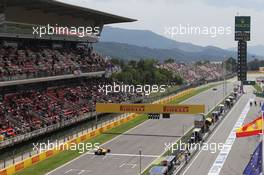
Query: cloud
{"points": [[246, 4], [154, 15], [252, 4]]}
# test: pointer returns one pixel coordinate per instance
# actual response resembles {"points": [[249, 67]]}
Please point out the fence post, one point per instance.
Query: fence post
{"points": [[14, 157]]}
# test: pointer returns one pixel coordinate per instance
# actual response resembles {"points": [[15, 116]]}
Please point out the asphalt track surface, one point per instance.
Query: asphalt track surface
{"points": [[241, 149], [150, 137]]}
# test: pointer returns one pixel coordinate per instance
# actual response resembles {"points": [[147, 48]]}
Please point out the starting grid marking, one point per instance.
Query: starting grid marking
{"points": [[123, 165], [76, 171], [222, 156], [125, 155], [132, 165]]}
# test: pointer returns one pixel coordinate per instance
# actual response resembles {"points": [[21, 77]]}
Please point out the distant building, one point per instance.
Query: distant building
{"points": [[261, 69], [216, 62]]}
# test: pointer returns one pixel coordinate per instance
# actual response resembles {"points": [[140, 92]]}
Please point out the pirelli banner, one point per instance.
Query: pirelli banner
{"points": [[149, 108]]}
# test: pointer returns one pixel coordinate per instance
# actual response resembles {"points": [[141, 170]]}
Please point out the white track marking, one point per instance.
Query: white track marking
{"points": [[128, 164], [210, 137], [223, 154], [121, 165], [77, 171], [128, 155], [68, 171]]}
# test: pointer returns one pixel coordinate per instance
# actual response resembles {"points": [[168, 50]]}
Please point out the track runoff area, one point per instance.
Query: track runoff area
{"points": [[149, 138]]}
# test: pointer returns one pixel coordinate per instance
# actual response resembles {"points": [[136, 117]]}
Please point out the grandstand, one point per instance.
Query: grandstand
{"points": [[18, 63], [196, 72], [50, 79]]}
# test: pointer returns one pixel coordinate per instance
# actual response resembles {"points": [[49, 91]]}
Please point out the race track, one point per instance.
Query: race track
{"points": [[150, 137]]}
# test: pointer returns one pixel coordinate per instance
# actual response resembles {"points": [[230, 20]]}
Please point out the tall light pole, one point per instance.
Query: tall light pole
{"points": [[262, 135], [96, 120], [224, 78], [140, 152], [262, 142]]}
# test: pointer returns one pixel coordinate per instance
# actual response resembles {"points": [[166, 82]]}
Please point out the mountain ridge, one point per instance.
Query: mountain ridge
{"points": [[135, 44]]}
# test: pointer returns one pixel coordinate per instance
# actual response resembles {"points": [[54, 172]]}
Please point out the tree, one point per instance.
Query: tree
{"points": [[170, 60], [118, 62], [231, 64], [146, 72]]}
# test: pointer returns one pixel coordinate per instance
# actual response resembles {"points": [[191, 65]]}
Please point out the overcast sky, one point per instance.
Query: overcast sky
{"points": [[155, 15]]}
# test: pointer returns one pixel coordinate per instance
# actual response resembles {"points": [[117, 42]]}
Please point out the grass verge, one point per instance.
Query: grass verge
{"points": [[258, 88]]}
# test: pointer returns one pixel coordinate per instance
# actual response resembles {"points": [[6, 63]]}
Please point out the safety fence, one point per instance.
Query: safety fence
{"points": [[48, 129], [27, 136], [36, 133], [34, 159]]}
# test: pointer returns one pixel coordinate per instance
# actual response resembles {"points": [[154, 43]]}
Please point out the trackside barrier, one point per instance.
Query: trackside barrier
{"points": [[46, 154], [174, 97], [12, 169]]}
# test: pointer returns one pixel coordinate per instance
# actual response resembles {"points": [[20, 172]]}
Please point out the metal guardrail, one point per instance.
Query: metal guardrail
{"points": [[48, 75], [48, 129], [15, 158], [51, 128], [45, 130], [149, 99]]}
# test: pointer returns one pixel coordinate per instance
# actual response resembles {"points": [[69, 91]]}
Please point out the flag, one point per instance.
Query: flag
{"points": [[254, 167], [250, 129]]}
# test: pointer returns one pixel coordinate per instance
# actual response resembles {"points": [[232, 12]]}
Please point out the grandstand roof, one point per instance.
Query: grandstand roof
{"points": [[60, 8], [19, 17]]}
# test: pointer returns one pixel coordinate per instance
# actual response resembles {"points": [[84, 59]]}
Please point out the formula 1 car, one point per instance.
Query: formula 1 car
{"points": [[102, 151]]}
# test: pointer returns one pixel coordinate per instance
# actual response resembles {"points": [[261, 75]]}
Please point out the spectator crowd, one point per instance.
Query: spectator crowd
{"points": [[42, 62], [191, 72], [26, 111]]}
